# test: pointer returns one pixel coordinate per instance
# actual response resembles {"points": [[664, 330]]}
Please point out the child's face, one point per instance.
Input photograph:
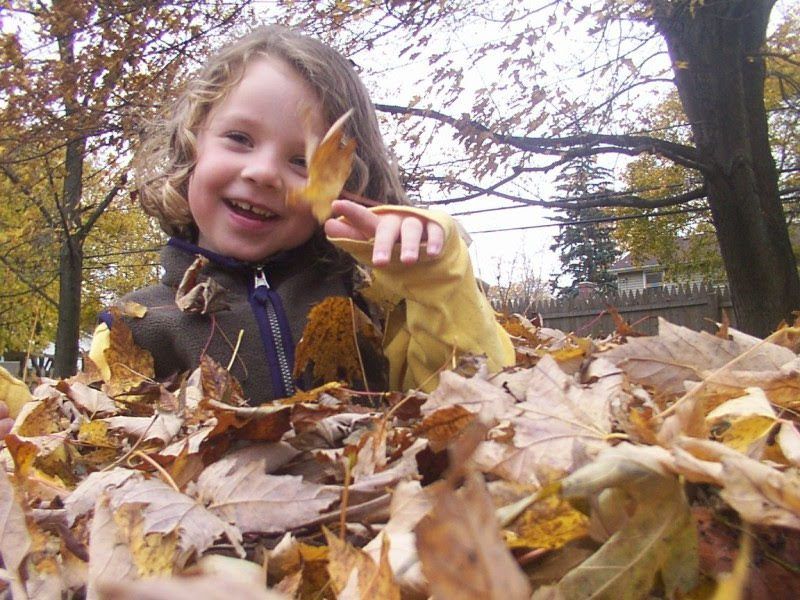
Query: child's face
{"points": [[250, 150]]}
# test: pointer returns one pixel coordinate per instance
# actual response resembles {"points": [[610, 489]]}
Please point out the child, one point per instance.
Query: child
{"points": [[216, 174]]}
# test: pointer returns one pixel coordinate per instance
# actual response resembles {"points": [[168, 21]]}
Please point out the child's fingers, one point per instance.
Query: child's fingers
{"points": [[357, 216], [435, 238], [410, 237], [6, 423], [386, 235], [334, 228]]}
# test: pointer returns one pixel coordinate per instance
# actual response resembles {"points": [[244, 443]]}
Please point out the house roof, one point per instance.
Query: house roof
{"points": [[624, 263]]}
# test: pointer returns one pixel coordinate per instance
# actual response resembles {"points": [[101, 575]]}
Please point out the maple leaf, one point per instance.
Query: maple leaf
{"points": [[678, 354], [461, 550], [161, 426], [659, 536], [201, 295], [444, 425], [474, 394], [353, 570], [329, 165], [110, 558], [331, 341], [550, 522], [208, 587], [84, 497], [557, 413], [255, 501], [165, 511], [91, 401], [15, 541], [410, 503], [218, 384], [130, 366]]}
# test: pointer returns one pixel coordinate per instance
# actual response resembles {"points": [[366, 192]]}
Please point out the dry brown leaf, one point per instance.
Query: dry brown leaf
{"points": [[84, 497], [678, 354], [559, 412], [347, 563], [91, 401], [38, 419], [789, 442], [444, 425], [255, 501], [329, 166], [759, 493], [658, 537], [371, 453], [165, 511], [474, 394], [15, 540], [130, 365], [401, 469], [218, 384], [207, 587], [199, 294], [43, 577], [109, 556], [461, 550], [335, 330], [410, 503], [161, 426]]}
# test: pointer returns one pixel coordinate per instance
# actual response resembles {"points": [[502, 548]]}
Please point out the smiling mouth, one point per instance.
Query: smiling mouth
{"points": [[248, 210]]}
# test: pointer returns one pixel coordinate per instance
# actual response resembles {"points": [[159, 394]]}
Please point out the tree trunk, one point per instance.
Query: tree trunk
{"points": [[71, 259], [719, 74], [69, 309]]}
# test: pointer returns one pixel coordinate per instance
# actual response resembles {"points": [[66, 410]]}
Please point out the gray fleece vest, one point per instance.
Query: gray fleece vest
{"points": [[269, 303]]}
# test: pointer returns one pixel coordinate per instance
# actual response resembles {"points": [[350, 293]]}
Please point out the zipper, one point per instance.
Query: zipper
{"points": [[275, 334]]}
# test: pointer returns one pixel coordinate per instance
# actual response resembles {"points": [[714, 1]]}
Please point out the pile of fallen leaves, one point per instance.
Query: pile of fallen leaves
{"points": [[632, 467]]}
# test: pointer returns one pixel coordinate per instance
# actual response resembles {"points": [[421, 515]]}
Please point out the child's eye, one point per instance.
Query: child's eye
{"points": [[299, 161], [238, 137]]}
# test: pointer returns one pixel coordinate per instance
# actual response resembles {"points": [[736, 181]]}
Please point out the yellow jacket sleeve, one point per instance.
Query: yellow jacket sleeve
{"points": [[101, 339], [444, 313]]}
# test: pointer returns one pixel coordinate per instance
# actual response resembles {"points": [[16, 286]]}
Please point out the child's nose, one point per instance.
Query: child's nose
{"points": [[263, 171]]}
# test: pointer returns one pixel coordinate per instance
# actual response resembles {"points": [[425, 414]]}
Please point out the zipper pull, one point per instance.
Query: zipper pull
{"points": [[260, 279]]}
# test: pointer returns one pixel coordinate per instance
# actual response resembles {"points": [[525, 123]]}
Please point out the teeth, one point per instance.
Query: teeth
{"points": [[262, 212]]}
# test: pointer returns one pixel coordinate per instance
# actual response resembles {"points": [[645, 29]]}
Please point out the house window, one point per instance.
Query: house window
{"points": [[654, 279]]}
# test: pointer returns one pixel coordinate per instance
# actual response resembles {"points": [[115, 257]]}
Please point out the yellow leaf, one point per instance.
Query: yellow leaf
{"points": [[13, 392], [331, 341], [95, 433], [44, 419], [130, 365], [373, 581], [549, 523], [746, 432], [132, 309], [329, 167], [153, 554]]}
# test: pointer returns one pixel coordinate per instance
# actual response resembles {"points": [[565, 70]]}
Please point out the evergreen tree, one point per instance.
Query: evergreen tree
{"points": [[584, 243]]}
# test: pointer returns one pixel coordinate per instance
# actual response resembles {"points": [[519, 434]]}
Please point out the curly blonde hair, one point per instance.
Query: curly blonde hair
{"points": [[167, 156]]}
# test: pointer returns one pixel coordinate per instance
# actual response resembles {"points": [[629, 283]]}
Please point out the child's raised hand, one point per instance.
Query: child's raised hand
{"points": [[387, 229], [6, 422]]}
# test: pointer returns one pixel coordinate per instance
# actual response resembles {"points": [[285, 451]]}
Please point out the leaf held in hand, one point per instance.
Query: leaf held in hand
{"points": [[329, 166]]}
